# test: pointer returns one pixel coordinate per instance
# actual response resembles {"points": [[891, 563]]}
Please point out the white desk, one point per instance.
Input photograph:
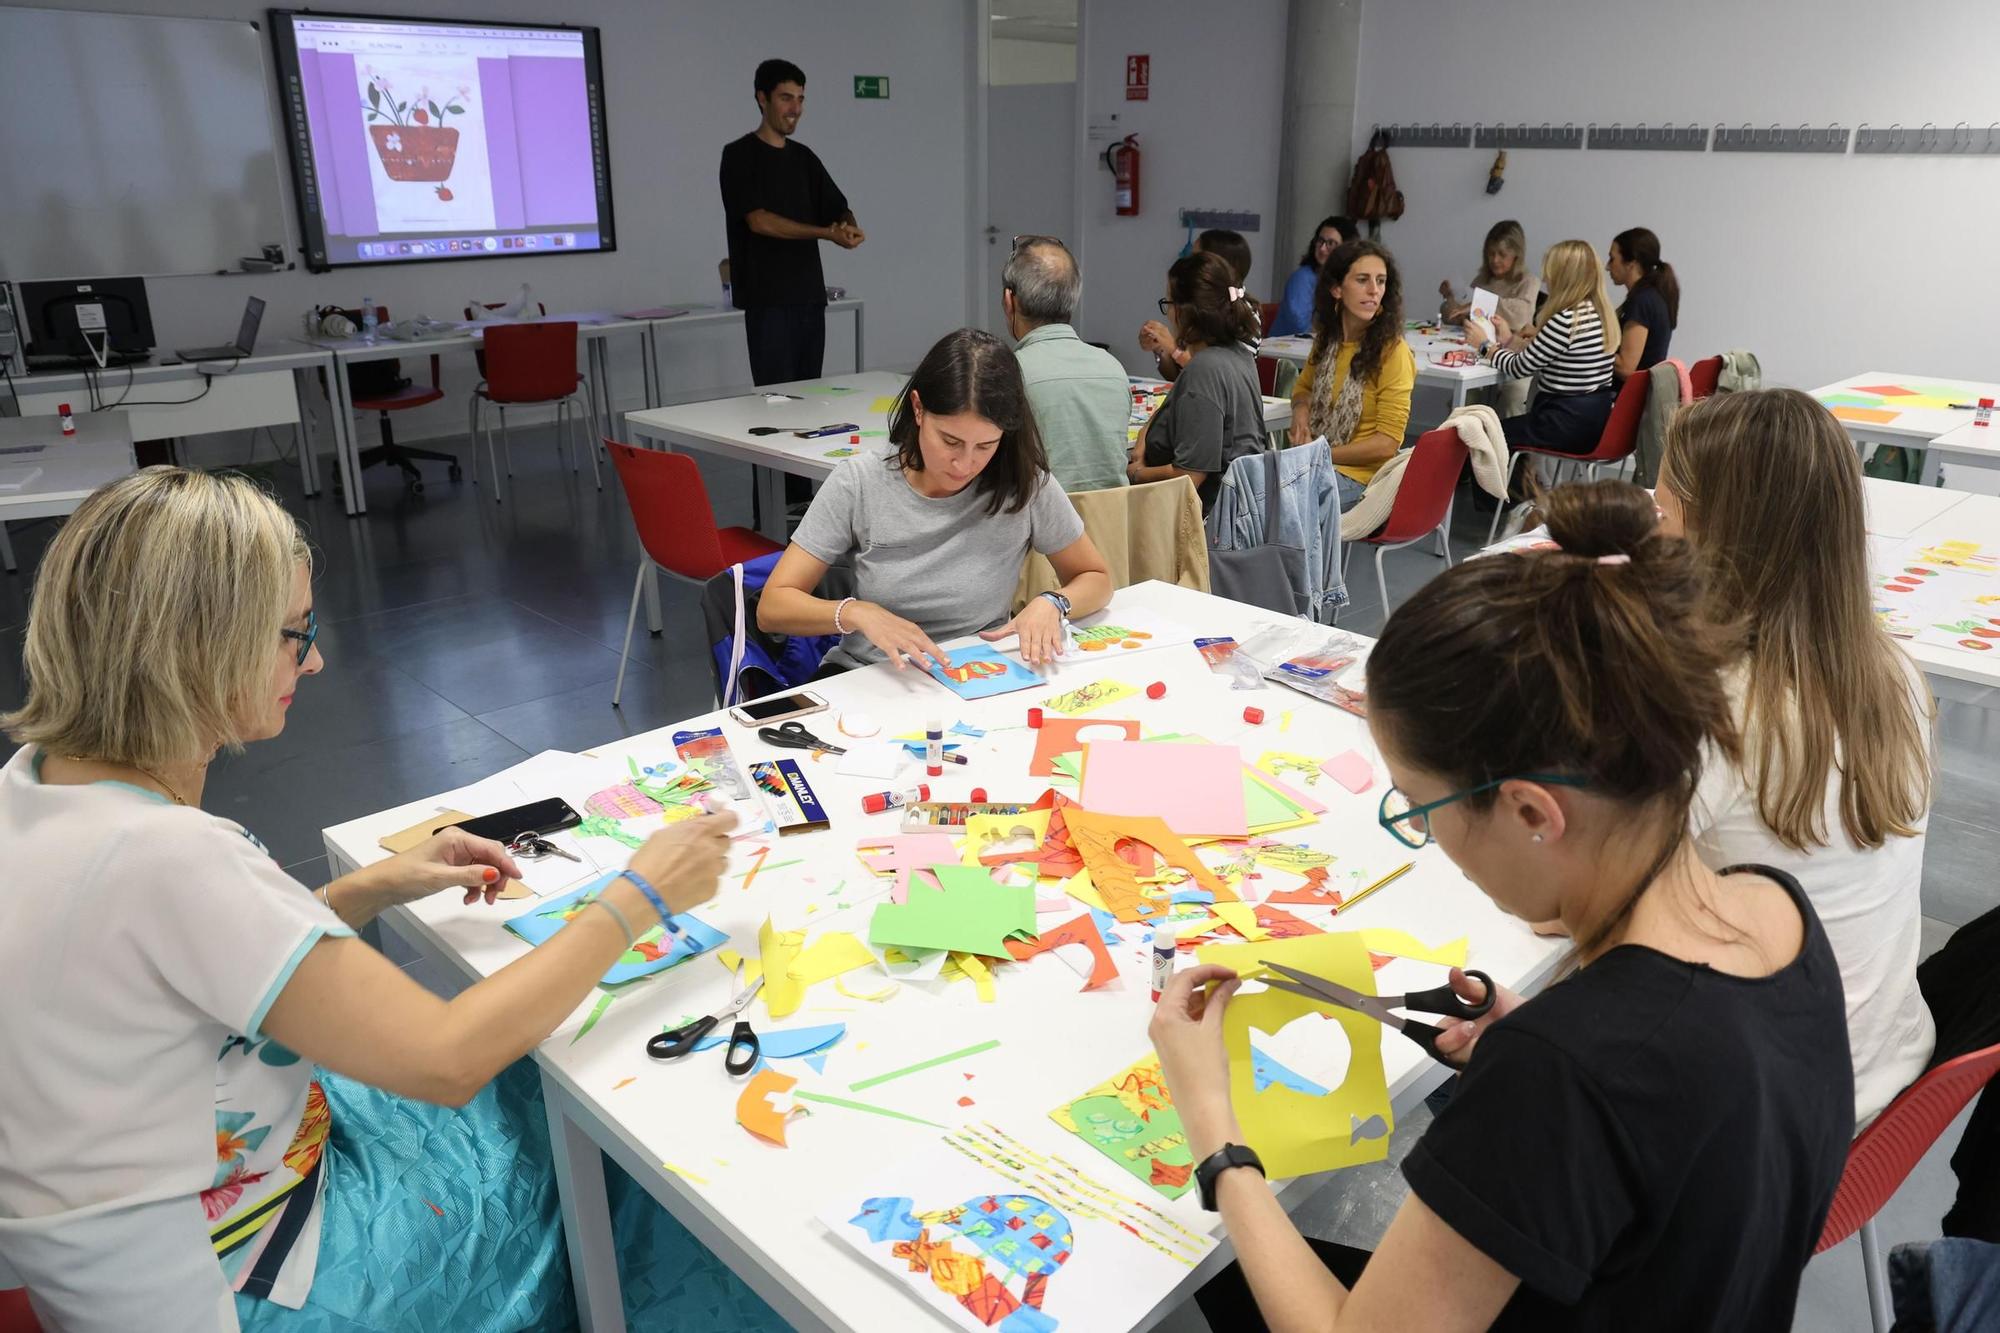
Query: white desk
{"points": [[1426, 347], [756, 1208], [44, 473], [1913, 412], [1969, 445], [694, 316], [167, 400]]}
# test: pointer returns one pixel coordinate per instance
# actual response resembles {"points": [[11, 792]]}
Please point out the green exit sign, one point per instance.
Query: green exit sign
{"points": [[872, 85]]}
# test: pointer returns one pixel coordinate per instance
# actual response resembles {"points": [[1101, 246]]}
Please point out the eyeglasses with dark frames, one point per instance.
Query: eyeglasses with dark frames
{"points": [[304, 637]]}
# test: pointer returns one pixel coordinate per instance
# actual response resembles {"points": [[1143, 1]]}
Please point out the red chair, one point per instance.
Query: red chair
{"points": [[1886, 1152], [479, 353], [526, 364], [1615, 445], [1703, 374], [398, 400], [1267, 367], [1422, 505], [15, 1314], [676, 526]]}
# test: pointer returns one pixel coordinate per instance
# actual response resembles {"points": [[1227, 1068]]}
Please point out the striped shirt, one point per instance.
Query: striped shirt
{"points": [[1567, 356]]}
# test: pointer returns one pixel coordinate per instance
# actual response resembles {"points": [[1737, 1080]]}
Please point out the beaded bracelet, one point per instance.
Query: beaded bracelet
{"points": [[653, 897], [619, 917], [837, 626]]}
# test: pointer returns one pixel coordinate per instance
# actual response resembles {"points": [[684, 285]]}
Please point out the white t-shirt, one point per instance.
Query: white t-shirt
{"points": [[1869, 900], [137, 938]]}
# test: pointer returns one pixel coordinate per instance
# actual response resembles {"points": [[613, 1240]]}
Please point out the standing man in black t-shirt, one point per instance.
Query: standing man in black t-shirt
{"points": [[779, 204]]}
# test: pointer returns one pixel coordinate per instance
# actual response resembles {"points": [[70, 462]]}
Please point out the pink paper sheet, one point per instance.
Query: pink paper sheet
{"points": [[1351, 770], [1197, 790]]}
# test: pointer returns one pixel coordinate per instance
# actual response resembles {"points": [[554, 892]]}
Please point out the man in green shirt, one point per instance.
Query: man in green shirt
{"points": [[1080, 394]]}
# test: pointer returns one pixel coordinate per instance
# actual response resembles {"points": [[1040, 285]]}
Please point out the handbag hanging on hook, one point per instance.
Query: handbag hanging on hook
{"points": [[1497, 177]]}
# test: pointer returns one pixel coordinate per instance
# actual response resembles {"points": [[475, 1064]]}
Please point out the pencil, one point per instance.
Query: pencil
{"points": [[1399, 871]]}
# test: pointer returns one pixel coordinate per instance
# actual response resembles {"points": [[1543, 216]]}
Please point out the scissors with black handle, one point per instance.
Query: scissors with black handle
{"points": [[739, 1057], [1438, 1000], [794, 736]]}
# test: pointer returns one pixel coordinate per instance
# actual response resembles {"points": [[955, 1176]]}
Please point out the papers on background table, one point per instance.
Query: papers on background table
{"points": [[979, 1225], [1945, 594]]}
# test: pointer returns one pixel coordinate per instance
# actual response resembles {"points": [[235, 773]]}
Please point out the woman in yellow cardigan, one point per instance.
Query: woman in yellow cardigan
{"points": [[1355, 391]]}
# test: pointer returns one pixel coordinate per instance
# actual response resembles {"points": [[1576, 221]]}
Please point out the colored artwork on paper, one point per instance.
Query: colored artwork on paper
{"points": [[1089, 698], [1942, 594], [1120, 853], [1130, 1118], [979, 672], [654, 950], [1010, 1238]]}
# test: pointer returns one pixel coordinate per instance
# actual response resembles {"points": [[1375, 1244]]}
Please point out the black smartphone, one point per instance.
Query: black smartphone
{"points": [[504, 826]]}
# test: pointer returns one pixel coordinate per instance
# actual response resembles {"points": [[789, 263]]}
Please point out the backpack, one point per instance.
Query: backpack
{"points": [[1372, 195]]}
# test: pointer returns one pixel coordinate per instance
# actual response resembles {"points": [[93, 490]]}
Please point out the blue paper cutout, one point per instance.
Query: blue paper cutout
{"points": [[784, 1043], [982, 672], [1265, 1071], [550, 915]]}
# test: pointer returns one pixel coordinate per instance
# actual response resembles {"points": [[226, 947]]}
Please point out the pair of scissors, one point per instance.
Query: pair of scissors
{"points": [[1438, 1000], [794, 736], [741, 1053]]}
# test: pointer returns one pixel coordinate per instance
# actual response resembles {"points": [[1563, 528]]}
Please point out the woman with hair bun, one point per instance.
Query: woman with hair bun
{"points": [[1652, 308], [1214, 414]]}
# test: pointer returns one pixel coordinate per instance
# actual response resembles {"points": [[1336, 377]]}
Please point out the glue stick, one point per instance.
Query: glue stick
{"points": [[68, 419], [934, 748], [1165, 946], [876, 802], [1984, 416]]}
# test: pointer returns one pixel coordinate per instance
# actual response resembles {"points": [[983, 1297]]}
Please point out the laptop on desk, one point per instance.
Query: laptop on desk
{"points": [[246, 338]]}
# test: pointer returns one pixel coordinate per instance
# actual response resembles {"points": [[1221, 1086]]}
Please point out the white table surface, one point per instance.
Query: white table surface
{"points": [[1917, 424], [756, 1209], [1969, 445], [44, 473], [1424, 346]]}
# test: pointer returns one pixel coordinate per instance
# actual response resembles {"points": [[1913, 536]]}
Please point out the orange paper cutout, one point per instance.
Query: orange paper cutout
{"points": [[1312, 893], [1080, 931], [754, 1110], [1058, 736], [1097, 838]]}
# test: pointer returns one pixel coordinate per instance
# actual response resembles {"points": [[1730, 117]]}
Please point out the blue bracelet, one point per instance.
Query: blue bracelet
{"points": [[653, 897]]}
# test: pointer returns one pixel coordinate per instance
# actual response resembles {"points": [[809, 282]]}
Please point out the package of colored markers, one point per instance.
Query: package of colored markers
{"points": [[787, 797]]}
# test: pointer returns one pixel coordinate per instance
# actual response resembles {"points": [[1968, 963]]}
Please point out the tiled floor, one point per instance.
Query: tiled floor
{"points": [[461, 636]]}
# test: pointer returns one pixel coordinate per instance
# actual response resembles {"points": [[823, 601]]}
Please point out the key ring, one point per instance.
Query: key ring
{"points": [[527, 843]]}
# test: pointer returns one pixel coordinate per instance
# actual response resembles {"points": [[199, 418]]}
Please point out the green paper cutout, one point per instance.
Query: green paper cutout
{"points": [[864, 1106], [967, 913], [922, 1065]]}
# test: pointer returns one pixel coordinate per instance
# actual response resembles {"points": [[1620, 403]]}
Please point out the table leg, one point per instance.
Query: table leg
{"points": [[586, 1216], [1457, 394], [770, 485], [302, 435], [858, 360], [652, 362], [1932, 470], [346, 451], [7, 551]]}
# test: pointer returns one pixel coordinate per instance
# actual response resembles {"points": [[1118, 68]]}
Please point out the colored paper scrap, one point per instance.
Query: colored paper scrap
{"points": [[1079, 887], [909, 964], [1294, 1133], [1265, 1071], [684, 1173], [1089, 698], [1351, 770], [1081, 931], [1873, 416], [825, 1100], [979, 671], [885, 993], [1294, 857], [1098, 839], [968, 967], [1313, 893], [1193, 789], [967, 913], [596, 1012], [904, 855], [884, 403], [1060, 735], [1382, 939], [1282, 924], [789, 966], [998, 839], [1283, 764], [978, 1048], [782, 1043], [654, 950], [1242, 918], [1130, 1118], [754, 1110]]}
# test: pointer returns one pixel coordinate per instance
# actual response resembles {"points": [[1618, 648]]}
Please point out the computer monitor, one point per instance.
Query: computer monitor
{"points": [[85, 317]]}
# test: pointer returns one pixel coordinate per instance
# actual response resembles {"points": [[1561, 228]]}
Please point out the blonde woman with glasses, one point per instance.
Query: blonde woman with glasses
{"points": [[169, 990], [1569, 350]]}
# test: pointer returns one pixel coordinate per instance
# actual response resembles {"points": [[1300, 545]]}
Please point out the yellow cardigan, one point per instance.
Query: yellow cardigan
{"points": [[1385, 400]]}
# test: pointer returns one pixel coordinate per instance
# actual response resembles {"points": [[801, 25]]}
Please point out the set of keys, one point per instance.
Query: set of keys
{"points": [[535, 847]]}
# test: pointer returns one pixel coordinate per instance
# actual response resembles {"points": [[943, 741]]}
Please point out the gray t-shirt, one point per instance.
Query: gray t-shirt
{"points": [[1213, 416], [943, 564]]}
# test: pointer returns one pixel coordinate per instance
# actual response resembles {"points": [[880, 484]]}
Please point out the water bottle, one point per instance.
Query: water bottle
{"points": [[368, 319]]}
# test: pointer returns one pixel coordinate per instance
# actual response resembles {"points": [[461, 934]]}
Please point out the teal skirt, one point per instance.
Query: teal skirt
{"points": [[434, 1219]]}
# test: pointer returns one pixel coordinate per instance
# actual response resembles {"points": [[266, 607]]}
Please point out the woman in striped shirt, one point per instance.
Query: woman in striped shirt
{"points": [[1569, 350]]}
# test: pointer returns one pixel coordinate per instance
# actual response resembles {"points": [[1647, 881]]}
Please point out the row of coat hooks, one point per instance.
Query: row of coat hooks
{"points": [[1962, 139]]}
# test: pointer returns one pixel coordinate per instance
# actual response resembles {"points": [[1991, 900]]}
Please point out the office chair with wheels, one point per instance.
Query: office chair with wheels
{"points": [[386, 391]]}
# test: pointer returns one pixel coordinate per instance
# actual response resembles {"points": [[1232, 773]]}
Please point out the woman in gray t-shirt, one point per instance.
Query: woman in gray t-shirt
{"points": [[1215, 413], [938, 528]]}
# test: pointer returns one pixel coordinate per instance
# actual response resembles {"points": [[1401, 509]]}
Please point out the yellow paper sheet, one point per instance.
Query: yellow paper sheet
{"points": [[1296, 1133], [1243, 917], [982, 831], [883, 404], [1079, 887], [973, 968], [789, 967], [1381, 939]]}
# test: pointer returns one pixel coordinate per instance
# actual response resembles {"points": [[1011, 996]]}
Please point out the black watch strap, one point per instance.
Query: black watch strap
{"points": [[1222, 1159]]}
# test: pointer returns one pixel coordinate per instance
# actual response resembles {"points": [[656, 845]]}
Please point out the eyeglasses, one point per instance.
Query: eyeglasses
{"points": [[305, 636], [1411, 825], [1167, 306]]}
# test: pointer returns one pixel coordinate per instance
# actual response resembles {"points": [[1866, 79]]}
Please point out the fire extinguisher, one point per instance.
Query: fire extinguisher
{"points": [[1123, 159]]}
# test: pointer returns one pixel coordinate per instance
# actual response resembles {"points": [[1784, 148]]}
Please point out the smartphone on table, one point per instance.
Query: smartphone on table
{"points": [[503, 826], [774, 708]]}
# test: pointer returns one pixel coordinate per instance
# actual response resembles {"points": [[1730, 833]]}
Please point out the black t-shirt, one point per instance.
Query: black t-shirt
{"points": [[1646, 306], [1651, 1143], [788, 181]]}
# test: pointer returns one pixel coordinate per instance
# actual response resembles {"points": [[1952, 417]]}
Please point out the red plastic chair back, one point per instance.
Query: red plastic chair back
{"points": [[670, 509], [1891, 1146], [472, 313], [531, 363], [1267, 367], [1429, 479], [15, 1314], [1703, 374], [1621, 428]]}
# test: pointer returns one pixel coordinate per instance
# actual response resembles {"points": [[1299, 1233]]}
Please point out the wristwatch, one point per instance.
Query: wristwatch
{"points": [[1222, 1159]]}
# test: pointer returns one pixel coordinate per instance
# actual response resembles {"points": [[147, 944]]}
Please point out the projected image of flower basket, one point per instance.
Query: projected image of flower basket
{"points": [[415, 145]]}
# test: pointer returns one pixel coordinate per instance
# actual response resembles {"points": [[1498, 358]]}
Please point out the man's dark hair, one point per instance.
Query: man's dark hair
{"points": [[774, 72], [970, 370]]}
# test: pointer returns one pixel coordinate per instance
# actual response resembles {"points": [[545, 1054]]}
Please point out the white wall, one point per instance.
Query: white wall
{"points": [[677, 80], [1824, 266], [1209, 138]]}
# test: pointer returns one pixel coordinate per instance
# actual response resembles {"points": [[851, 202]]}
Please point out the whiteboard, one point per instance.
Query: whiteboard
{"points": [[134, 145]]}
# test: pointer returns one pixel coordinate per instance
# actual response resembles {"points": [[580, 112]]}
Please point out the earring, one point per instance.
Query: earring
{"points": [[1535, 837]]}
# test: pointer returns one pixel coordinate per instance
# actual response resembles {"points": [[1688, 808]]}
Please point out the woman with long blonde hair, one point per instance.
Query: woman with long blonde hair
{"points": [[1569, 350], [1834, 784]]}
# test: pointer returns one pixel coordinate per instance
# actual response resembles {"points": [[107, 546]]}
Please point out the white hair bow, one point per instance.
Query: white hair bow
{"points": [[1235, 293]]}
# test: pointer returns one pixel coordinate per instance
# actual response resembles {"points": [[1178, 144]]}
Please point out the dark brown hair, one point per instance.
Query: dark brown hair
{"points": [[1555, 662], [1231, 246], [1639, 246], [1384, 331], [970, 370], [1198, 285], [1344, 225], [1770, 489]]}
